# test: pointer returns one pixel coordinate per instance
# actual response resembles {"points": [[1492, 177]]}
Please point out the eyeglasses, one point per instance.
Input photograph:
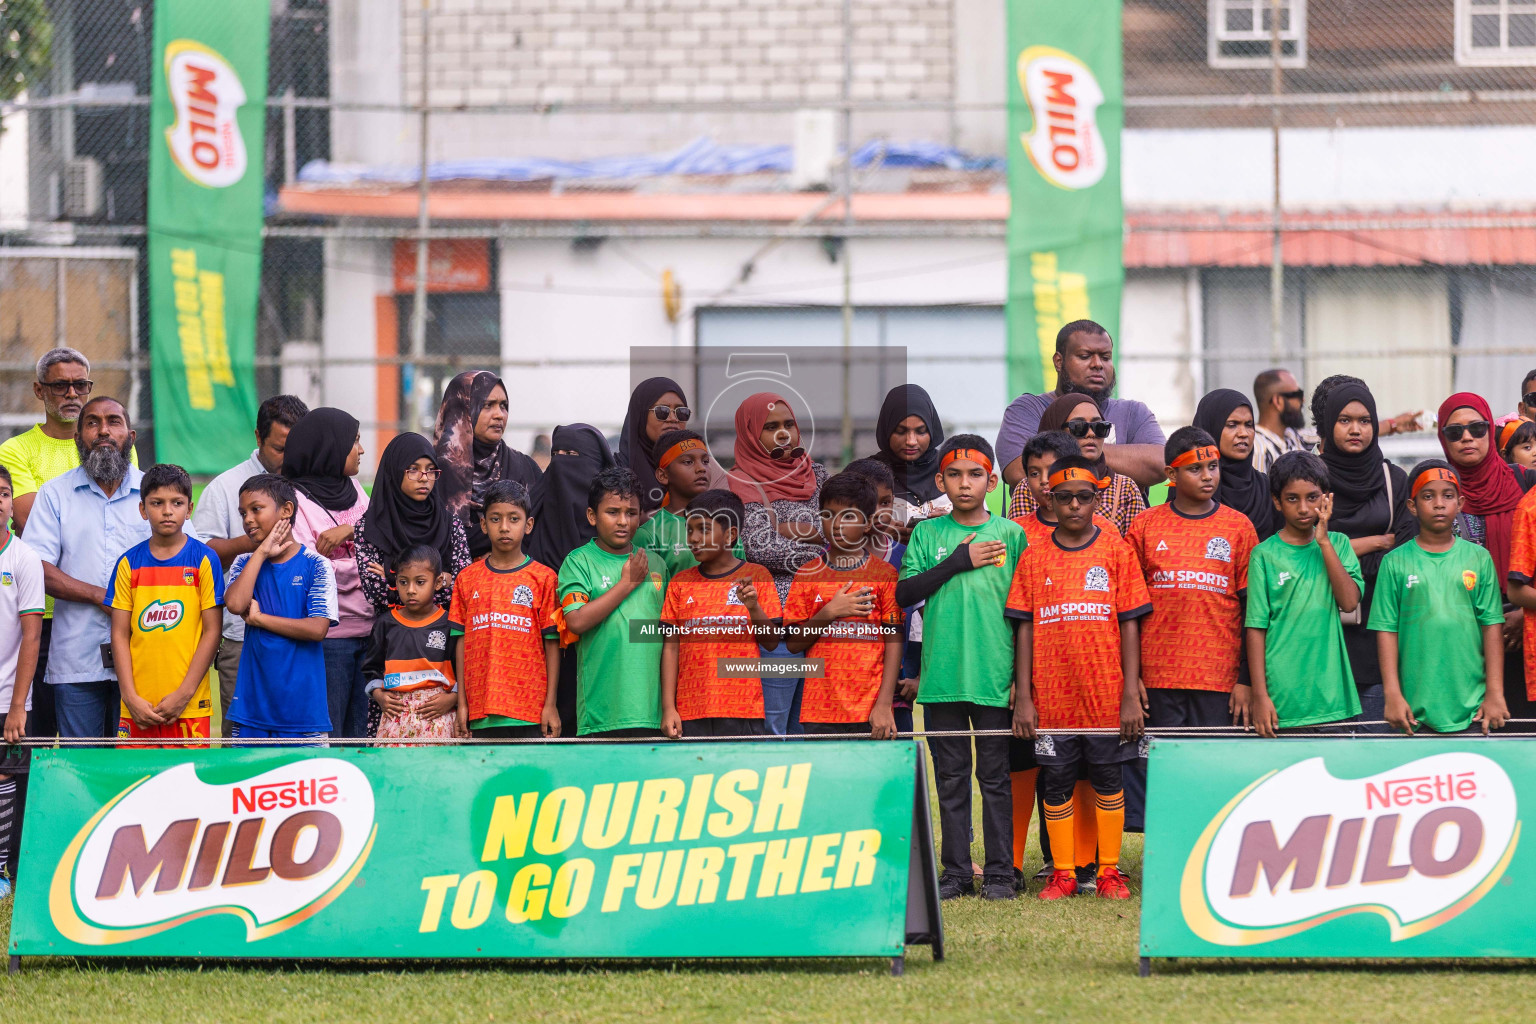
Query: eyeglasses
{"points": [[1529, 398], [1074, 497], [779, 451], [1081, 428], [1293, 396], [666, 412], [64, 387], [423, 474], [1453, 432]]}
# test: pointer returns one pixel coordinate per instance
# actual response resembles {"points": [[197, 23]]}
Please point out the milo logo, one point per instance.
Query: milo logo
{"points": [[1065, 143], [271, 851], [204, 140], [1415, 846], [160, 615]]}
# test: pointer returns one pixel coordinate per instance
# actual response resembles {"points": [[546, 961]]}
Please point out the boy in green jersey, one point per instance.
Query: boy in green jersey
{"points": [[683, 469], [961, 565], [606, 584], [1299, 581], [1439, 619]]}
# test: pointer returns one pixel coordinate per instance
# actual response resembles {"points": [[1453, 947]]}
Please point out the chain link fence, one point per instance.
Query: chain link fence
{"points": [[1333, 186]]}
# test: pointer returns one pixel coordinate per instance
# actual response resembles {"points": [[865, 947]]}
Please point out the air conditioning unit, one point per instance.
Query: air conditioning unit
{"points": [[82, 188], [815, 150]]}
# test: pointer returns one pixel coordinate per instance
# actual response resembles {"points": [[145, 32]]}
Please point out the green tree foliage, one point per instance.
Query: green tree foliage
{"points": [[26, 42]]}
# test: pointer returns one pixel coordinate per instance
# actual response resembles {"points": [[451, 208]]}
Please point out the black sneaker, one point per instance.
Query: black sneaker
{"points": [[998, 890], [953, 888], [1088, 879], [1044, 874], [1020, 884]]}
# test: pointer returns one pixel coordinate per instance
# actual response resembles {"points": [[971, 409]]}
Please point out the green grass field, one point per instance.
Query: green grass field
{"points": [[1006, 962]]}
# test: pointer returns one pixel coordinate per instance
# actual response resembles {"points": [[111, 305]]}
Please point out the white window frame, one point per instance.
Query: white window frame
{"points": [[1484, 56], [1216, 33]]}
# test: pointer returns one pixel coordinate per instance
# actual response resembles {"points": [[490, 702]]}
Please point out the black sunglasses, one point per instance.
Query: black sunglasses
{"points": [[1478, 428], [665, 412], [1081, 428], [64, 387], [1296, 395], [1529, 398], [1074, 497]]}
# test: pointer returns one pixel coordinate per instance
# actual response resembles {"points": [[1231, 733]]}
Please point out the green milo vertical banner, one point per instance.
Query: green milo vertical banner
{"points": [[205, 215], [1065, 110]]}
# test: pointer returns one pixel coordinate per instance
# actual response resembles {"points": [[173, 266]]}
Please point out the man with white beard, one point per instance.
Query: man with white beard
{"points": [[81, 522]]}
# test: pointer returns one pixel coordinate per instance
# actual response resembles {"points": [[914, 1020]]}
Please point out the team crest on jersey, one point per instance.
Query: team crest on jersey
{"points": [[734, 597], [1468, 578], [1218, 549], [522, 594], [189, 577], [657, 581], [1096, 578], [437, 640], [6, 579]]}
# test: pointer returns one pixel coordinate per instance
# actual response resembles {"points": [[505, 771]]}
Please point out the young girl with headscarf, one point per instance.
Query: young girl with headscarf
{"points": [[404, 511], [909, 432], [657, 406]]}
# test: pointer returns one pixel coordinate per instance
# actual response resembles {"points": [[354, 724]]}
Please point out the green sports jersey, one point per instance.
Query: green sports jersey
{"points": [[1305, 664], [967, 640], [618, 682], [1437, 603], [666, 534]]}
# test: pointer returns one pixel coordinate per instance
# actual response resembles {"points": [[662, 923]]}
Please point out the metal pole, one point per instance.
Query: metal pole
{"points": [[1276, 258], [290, 138], [423, 221], [847, 246]]}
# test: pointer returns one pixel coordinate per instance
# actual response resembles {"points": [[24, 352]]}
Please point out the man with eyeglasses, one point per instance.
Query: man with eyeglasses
{"points": [[1084, 362], [35, 457], [1527, 407], [217, 520], [1278, 401]]}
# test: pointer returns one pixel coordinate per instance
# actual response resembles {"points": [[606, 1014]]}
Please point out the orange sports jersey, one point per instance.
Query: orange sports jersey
{"points": [[504, 617], [708, 605], [1522, 569], [1076, 601], [1037, 531], [847, 689], [1197, 570]]}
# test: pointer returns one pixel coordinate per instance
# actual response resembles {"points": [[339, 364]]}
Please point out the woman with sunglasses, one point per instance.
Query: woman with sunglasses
{"points": [[1369, 507], [405, 510], [656, 406], [1120, 499], [780, 485], [472, 453]]}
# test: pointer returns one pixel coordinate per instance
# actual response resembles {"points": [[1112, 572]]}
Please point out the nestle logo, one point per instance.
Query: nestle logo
{"points": [[270, 796], [1420, 789]]}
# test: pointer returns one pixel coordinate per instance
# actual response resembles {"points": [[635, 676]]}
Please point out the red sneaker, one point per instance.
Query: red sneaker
{"points": [[1061, 885], [1112, 885]]}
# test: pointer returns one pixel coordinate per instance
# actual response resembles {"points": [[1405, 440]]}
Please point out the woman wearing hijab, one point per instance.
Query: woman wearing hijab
{"points": [[321, 460], [1227, 416], [779, 484], [656, 406], [471, 454], [1120, 499], [404, 511], [909, 432], [1370, 508], [578, 452]]}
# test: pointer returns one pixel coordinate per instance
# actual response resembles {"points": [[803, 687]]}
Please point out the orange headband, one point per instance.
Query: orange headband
{"points": [[970, 454], [1506, 432], [1055, 480], [1203, 454], [1429, 476], [687, 444]]}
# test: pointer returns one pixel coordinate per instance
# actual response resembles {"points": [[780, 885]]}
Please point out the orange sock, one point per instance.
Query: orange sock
{"points": [[1084, 822], [1058, 822], [1023, 809], [1110, 810]]}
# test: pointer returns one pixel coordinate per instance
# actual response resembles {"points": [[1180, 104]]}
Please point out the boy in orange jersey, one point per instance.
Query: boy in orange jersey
{"points": [[1077, 662], [508, 659], [842, 610], [1194, 555], [722, 609]]}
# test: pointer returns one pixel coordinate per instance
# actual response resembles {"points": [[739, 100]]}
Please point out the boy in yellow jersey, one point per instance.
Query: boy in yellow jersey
{"points": [[165, 598]]}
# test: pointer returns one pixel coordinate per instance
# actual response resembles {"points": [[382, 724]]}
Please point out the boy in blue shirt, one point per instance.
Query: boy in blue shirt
{"points": [[286, 594]]}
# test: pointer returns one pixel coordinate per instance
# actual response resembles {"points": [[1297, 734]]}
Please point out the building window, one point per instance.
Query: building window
{"points": [[1238, 33], [1496, 32]]}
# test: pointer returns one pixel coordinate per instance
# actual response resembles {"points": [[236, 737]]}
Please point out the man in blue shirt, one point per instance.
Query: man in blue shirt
{"points": [[80, 524]]}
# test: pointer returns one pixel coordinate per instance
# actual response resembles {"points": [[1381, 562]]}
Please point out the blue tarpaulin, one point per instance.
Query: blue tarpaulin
{"points": [[701, 156]]}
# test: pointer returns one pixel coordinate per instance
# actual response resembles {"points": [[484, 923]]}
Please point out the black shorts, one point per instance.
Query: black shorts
{"points": [[725, 727], [1168, 708], [14, 760], [836, 728], [1061, 749], [1021, 755]]}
